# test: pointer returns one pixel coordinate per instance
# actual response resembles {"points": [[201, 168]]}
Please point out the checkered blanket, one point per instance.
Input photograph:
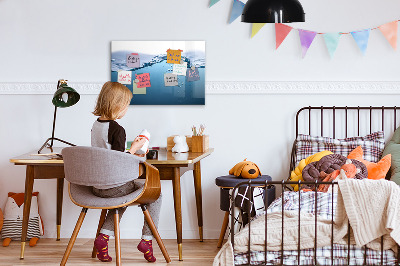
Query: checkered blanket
{"points": [[324, 206]]}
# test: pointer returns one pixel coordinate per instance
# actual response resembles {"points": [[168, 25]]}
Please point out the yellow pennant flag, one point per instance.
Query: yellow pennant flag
{"points": [[256, 27]]}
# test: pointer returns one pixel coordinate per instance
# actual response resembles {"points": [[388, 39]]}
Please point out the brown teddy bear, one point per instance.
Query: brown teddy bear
{"points": [[245, 169]]}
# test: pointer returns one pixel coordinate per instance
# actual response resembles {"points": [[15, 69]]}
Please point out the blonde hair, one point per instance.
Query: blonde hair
{"points": [[112, 99]]}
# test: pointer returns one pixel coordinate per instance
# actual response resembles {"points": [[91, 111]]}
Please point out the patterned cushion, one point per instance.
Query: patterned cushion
{"points": [[372, 144]]}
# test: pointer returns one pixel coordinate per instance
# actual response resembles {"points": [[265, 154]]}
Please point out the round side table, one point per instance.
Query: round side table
{"points": [[228, 182]]}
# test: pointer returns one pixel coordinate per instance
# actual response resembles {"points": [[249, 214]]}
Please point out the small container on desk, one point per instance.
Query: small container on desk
{"points": [[200, 143]]}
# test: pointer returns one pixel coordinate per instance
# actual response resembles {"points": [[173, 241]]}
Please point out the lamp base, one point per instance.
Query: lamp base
{"points": [[50, 146]]}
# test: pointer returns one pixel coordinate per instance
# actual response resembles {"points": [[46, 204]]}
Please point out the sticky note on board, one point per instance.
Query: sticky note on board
{"points": [[170, 79], [144, 80], [133, 60], [125, 77], [192, 75], [180, 69], [136, 90], [174, 56]]}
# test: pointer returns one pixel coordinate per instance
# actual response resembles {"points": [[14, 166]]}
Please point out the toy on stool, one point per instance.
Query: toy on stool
{"points": [[13, 215], [245, 169]]}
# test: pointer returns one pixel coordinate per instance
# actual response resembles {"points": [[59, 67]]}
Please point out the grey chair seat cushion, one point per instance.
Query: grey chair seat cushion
{"points": [[83, 196]]}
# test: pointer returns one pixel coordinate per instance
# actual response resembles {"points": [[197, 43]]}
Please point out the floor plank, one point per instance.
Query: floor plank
{"points": [[49, 252]]}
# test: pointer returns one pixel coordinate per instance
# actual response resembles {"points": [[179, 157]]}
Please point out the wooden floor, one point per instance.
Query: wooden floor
{"points": [[50, 252]]}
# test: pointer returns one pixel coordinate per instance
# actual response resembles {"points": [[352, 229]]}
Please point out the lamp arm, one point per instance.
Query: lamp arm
{"points": [[54, 118], [54, 126]]}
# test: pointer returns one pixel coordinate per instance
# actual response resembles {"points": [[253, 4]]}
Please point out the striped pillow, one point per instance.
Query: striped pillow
{"points": [[372, 145]]}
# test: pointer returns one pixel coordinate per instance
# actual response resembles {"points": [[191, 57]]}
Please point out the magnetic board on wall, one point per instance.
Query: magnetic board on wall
{"points": [[160, 72]]}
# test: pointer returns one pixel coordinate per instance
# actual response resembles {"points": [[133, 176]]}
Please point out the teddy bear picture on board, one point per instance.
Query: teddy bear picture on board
{"points": [[180, 144], [13, 215]]}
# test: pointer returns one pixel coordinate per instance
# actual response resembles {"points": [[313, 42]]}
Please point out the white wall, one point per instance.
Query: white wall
{"points": [[42, 41]]}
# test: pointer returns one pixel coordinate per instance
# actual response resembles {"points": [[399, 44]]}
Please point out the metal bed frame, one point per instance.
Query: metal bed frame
{"points": [[283, 184]]}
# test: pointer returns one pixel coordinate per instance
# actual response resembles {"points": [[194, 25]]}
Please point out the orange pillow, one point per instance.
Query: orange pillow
{"points": [[375, 170]]}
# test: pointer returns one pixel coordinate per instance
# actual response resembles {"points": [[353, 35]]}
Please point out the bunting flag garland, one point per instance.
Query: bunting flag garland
{"points": [[389, 30], [332, 41], [237, 9], [213, 2], [281, 31], [361, 37], [306, 39], [256, 27]]}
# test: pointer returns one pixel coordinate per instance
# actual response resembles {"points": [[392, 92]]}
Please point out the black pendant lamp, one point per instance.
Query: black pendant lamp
{"points": [[273, 11]]}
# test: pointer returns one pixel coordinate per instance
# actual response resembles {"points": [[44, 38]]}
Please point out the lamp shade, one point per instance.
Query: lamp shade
{"points": [[273, 11], [65, 96]]}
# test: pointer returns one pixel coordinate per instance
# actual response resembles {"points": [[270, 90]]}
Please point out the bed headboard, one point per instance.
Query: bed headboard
{"points": [[344, 121]]}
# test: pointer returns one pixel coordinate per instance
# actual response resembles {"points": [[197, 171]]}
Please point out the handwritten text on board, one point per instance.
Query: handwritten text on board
{"points": [[133, 60], [192, 74], [180, 69], [170, 79], [144, 80], [174, 56], [125, 77]]}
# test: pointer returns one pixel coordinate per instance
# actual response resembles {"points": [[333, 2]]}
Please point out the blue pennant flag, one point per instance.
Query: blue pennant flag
{"points": [[332, 41], [361, 37], [237, 10], [213, 2]]}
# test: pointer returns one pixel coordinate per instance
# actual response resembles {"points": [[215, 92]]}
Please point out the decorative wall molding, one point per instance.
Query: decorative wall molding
{"points": [[233, 87]]}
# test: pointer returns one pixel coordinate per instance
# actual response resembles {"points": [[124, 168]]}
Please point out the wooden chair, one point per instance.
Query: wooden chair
{"points": [[85, 167]]}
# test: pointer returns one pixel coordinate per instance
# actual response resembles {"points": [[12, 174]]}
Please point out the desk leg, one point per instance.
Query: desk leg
{"points": [[176, 182], [27, 206], [197, 189], [60, 190]]}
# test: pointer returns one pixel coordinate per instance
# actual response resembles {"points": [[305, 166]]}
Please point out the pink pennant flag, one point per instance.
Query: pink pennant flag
{"points": [[306, 39], [281, 31], [389, 30]]}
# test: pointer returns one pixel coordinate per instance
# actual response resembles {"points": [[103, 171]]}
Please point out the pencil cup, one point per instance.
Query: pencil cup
{"points": [[200, 143]]}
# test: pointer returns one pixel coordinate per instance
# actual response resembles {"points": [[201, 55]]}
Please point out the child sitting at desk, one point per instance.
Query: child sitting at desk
{"points": [[112, 103]]}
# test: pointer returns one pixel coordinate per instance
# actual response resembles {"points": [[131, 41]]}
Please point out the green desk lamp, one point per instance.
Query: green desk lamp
{"points": [[65, 96]]}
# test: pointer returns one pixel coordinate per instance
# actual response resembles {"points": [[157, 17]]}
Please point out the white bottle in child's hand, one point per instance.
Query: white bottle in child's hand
{"points": [[144, 134]]}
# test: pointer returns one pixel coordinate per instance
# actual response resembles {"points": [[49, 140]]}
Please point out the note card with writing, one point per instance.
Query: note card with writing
{"points": [[179, 69], [136, 90], [125, 77], [170, 79], [133, 60], [192, 74], [156, 72], [174, 56], [144, 80]]}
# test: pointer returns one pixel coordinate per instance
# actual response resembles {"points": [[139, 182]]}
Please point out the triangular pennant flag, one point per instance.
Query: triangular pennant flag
{"points": [[281, 31], [213, 2], [237, 9], [306, 39], [256, 27], [332, 41], [390, 32], [361, 37]]}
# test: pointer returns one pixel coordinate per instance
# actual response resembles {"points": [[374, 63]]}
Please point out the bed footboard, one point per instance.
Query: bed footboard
{"points": [[311, 259]]}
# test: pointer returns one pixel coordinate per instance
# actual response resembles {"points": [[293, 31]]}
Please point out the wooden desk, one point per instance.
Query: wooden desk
{"points": [[171, 167], [40, 167]]}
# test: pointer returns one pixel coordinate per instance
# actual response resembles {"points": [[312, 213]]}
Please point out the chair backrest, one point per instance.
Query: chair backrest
{"points": [[92, 166]]}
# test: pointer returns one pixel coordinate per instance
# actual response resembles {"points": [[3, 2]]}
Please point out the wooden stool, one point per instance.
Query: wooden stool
{"points": [[226, 183]]}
